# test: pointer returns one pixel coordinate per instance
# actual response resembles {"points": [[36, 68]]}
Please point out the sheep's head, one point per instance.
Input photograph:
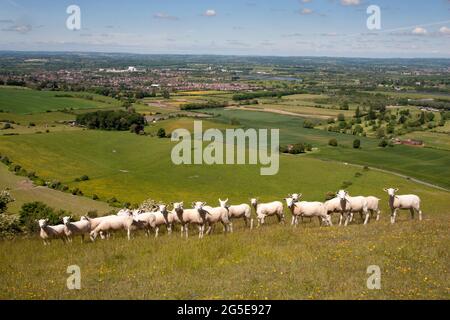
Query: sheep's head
{"points": [[66, 220], [295, 196], [289, 202], [254, 201], [162, 208], [199, 205], [84, 218], [342, 194], [391, 191], [43, 223], [223, 203], [178, 205]]}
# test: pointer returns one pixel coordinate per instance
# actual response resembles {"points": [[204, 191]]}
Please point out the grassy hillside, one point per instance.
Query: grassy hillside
{"points": [[23, 101], [23, 191], [274, 262]]}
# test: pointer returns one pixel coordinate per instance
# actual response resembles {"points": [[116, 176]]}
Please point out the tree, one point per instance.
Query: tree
{"points": [[308, 124], [333, 142], [356, 144], [357, 112], [166, 94], [383, 143], [161, 133], [5, 199], [33, 211], [341, 117]]}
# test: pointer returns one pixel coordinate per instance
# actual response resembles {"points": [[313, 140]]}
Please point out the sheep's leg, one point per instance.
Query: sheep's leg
{"points": [[420, 214], [156, 232], [129, 234], [340, 218], [251, 223], [412, 213], [82, 238], [378, 214], [208, 231], [347, 218], [367, 217], [394, 215], [293, 220], [330, 222], [231, 225]]}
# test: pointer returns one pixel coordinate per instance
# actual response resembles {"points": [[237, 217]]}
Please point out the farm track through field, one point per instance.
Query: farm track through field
{"points": [[286, 113]]}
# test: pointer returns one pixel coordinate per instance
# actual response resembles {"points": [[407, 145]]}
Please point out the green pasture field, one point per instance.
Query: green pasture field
{"points": [[431, 165], [24, 101]]}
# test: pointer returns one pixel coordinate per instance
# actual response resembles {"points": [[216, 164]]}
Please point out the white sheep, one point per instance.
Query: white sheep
{"points": [[96, 221], [144, 221], [264, 210], [237, 212], [295, 197], [373, 205], [350, 205], [215, 215], [307, 209], [403, 202], [72, 229], [334, 206], [123, 212], [116, 223], [48, 233], [190, 216], [162, 217]]}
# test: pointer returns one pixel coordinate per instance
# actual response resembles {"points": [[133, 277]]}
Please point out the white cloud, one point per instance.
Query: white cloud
{"points": [[350, 2], [20, 28], [445, 31], [210, 13], [419, 31], [164, 16], [306, 11]]}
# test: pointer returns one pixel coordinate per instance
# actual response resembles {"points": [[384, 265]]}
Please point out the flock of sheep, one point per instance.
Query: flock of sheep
{"points": [[206, 217]]}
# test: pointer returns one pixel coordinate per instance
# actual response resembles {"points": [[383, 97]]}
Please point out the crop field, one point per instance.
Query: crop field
{"points": [[23, 101]]}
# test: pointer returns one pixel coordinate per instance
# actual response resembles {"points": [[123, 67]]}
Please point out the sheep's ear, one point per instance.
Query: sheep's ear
{"points": [[396, 189], [181, 202], [384, 189], [300, 195], [46, 220], [220, 200], [226, 200], [289, 195]]}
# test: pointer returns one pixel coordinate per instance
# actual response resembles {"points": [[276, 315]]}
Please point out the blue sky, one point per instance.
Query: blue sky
{"points": [[409, 28]]}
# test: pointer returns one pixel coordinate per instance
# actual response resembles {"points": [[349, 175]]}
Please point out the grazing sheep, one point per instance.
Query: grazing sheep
{"points": [[162, 217], [190, 216], [115, 223], [96, 221], [214, 215], [81, 227], [264, 210], [238, 211], [144, 221], [403, 202], [350, 205], [51, 232], [296, 197], [308, 209], [334, 206], [373, 205], [123, 212]]}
